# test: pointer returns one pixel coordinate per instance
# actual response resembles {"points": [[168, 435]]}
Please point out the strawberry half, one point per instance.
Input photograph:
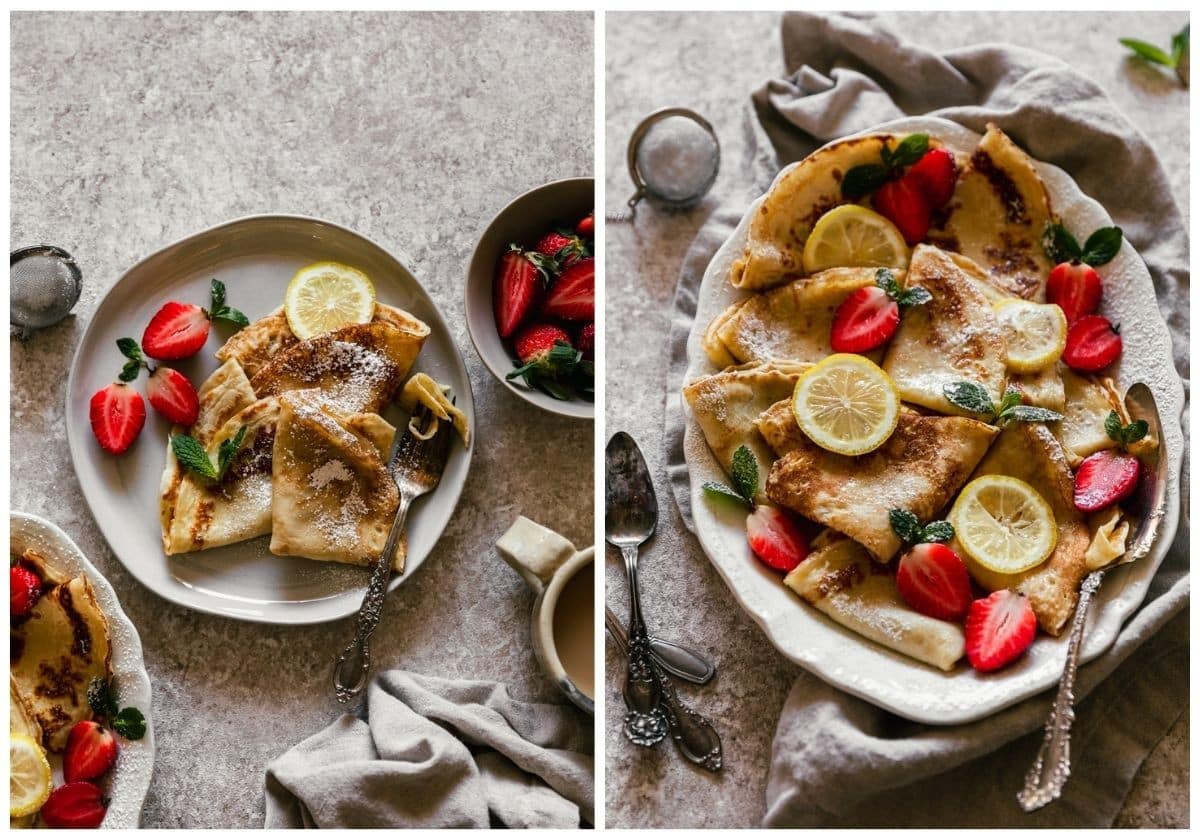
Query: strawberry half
{"points": [[1076, 288], [117, 414], [933, 580], [519, 279], [24, 588], [936, 173], [573, 296], [75, 805], [775, 539], [1093, 344], [1104, 479], [176, 331], [173, 396], [864, 320], [904, 203], [999, 629], [91, 752]]}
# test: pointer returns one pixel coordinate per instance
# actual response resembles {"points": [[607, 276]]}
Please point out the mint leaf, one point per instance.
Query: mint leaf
{"points": [[864, 179], [130, 723], [969, 396], [886, 280], [101, 698], [228, 313], [914, 297], [1113, 427], [905, 524], [129, 349], [218, 296], [192, 455], [911, 149], [1135, 431], [130, 371], [227, 451], [1058, 243], [938, 531], [744, 470], [720, 491], [1102, 246], [1148, 51], [1125, 435], [1030, 414], [1011, 398], [1179, 43]]}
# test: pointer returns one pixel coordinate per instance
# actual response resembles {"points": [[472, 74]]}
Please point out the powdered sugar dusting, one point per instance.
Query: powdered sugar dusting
{"points": [[332, 470]]}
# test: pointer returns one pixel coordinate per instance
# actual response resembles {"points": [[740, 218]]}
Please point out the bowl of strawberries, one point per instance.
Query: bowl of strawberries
{"points": [[531, 297]]}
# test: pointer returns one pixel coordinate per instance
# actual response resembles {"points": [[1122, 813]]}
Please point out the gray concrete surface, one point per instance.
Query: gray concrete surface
{"points": [[130, 131], [712, 62]]}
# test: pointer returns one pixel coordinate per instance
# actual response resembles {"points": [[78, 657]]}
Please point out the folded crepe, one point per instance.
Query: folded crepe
{"points": [[727, 405], [196, 513], [423, 389], [841, 580], [1089, 401], [792, 322], [266, 338], [1029, 451], [226, 392], [920, 468], [359, 368], [1044, 388], [790, 209], [997, 216], [55, 653], [952, 338], [334, 499]]}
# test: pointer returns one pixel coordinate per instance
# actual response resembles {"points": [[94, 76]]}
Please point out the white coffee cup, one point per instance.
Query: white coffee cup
{"points": [[562, 629]]}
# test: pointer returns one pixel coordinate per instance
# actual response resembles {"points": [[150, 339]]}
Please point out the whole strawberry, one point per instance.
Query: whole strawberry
{"points": [[564, 248], [587, 341], [24, 588], [547, 360], [586, 226], [179, 330]]}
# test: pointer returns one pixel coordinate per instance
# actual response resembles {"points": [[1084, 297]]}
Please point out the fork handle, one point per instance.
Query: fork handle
{"points": [[351, 669], [1052, 767]]}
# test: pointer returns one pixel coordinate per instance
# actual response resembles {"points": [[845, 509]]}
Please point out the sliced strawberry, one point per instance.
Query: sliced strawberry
{"points": [[904, 203], [775, 538], [1104, 479], [586, 226], [24, 588], [1076, 288], [117, 414], [518, 282], [173, 396], [865, 320], [573, 296], [587, 341], [1093, 344], [176, 331], [91, 752], [75, 805], [936, 173], [999, 629], [933, 580]]}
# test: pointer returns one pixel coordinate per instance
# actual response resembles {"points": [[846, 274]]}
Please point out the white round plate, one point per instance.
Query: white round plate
{"points": [[255, 258], [129, 780], [874, 673]]}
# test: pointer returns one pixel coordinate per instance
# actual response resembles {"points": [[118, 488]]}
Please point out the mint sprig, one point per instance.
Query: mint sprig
{"points": [[744, 473], [1125, 435], [192, 455], [1153, 54], [129, 722], [860, 180], [909, 529], [220, 310], [973, 397], [133, 352], [914, 296], [1061, 245]]}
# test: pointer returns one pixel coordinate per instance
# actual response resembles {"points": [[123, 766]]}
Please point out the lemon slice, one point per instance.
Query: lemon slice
{"points": [[1035, 334], [1004, 524], [29, 775], [846, 404], [852, 236], [325, 296]]}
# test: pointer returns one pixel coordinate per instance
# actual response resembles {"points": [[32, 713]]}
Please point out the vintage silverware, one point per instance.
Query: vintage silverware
{"points": [[673, 658], [415, 465], [630, 516], [1052, 767], [695, 737]]}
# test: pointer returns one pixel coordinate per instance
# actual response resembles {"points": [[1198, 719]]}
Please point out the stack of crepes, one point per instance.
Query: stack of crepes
{"points": [[985, 250], [311, 469]]}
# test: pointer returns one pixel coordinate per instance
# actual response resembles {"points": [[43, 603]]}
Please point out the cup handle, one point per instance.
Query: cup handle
{"points": [[534, 551]]}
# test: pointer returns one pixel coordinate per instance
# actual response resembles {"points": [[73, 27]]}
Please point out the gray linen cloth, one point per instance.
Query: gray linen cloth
{"points": [[838, 761], [438, 753]]}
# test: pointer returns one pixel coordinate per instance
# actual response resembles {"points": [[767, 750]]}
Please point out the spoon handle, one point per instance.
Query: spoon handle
{"points": [[675, 659], [636, 626], [1052, 767], [696, 738]]}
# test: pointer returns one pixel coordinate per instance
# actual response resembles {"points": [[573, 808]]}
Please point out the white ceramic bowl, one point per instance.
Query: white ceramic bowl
{"points": [[524, 220]]}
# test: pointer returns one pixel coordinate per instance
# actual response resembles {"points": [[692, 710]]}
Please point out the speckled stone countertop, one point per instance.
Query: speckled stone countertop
{"points": [[130, 131], [711, 62]]}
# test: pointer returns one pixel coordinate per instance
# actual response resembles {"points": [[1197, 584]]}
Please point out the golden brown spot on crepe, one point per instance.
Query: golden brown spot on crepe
{"points": [[1002, 185], [204, 518], [60, 681], [839, 581], [82, 644]]}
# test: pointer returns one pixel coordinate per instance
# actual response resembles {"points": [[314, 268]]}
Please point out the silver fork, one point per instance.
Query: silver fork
{"points": [[415, 465]]}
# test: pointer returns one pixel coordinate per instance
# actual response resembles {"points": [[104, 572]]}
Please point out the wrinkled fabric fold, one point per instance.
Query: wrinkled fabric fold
{"points": [[837, 760], [437, 753]]}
